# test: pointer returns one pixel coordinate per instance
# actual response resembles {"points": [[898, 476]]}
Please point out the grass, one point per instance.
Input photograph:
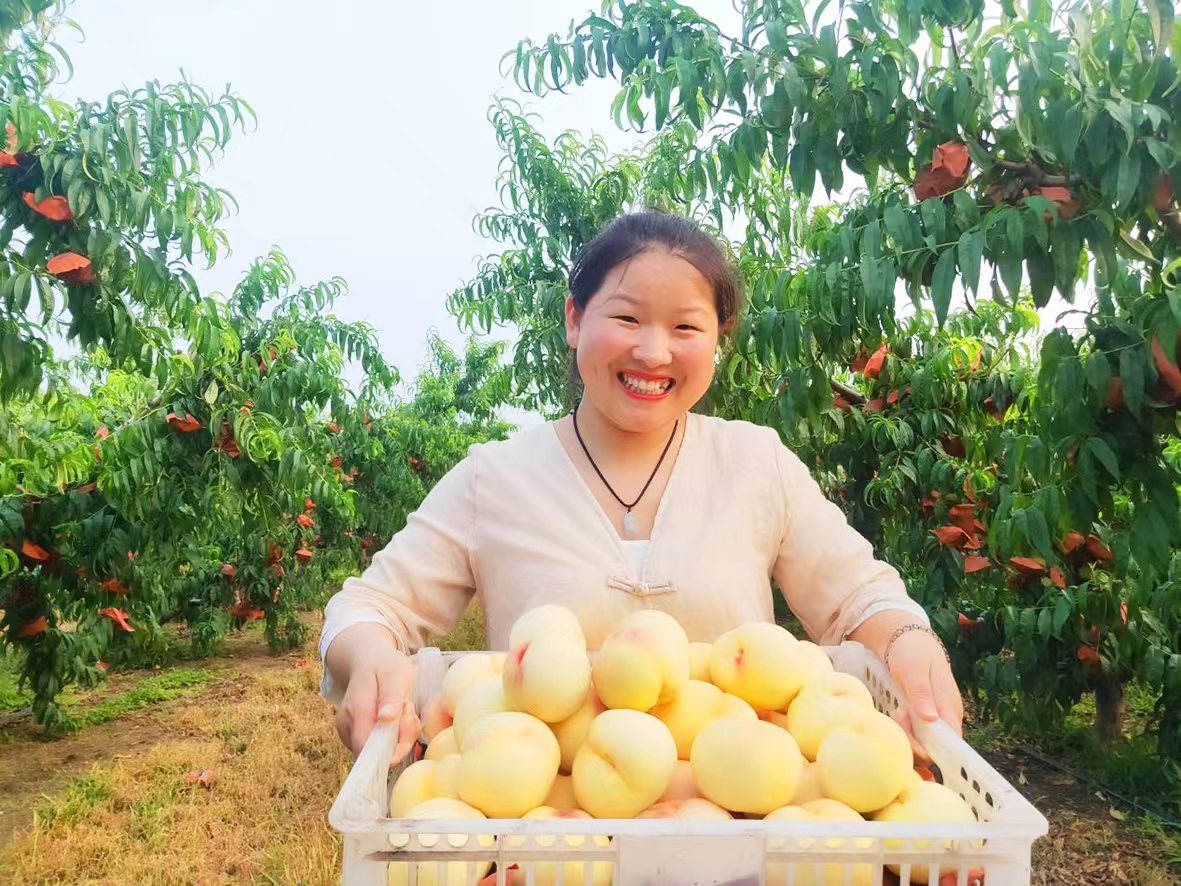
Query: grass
{"points": [[152, 690], [278, 764]]}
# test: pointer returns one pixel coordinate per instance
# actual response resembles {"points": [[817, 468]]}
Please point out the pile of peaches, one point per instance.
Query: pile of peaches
{"points": [[754, 725]]}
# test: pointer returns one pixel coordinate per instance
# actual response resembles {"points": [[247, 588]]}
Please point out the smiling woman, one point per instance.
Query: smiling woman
{"points": [[631, 502]]}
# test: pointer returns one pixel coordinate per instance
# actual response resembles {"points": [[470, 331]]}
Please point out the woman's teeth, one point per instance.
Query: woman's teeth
{"points": [[643, 386]]}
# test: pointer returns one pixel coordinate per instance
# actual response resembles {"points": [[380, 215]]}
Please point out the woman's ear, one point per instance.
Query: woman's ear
{"points": [[573, 322]]}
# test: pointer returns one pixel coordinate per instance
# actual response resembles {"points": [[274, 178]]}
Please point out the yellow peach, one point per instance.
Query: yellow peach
{"points": [[812, 874], [682, 786], [625, 764], [508, 764], [442, 744], [809, 788], [758, 663], [548, 677], [418, 783], [546, 873], [865, 763], [484, 698], [434, 720], [572, 732], [696, 704], [928, 802], [643, 662], [697, 808], [454, 873], [561, 795], [549, 620], [830, 701], [746, 765], [464, 673]]}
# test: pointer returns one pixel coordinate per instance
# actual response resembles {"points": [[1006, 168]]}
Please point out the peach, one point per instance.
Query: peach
{"points": [[625, 765], [732, 704], [548, 677], [422, 781], [832, 700], [508, 764], [925, 801], [442, 745], [549, 620], [813, 660], [484, 698], [746, 765], [464, 673], [833, 873], [699, 654], [758, 662], [865, 763], [546, 873], [809, 788], [561, 795], [682, 786], [572, 732], [643, 662], [692, 808], [696, 704], [454, 873], [434, 720]]}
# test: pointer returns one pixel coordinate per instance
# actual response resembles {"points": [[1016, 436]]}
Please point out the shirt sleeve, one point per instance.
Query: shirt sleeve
{"points": [[419, 584], [825, 568]]}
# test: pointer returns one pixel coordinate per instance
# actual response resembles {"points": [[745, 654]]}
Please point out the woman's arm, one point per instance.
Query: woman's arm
{"points": [[839, 590], [418, 585]]}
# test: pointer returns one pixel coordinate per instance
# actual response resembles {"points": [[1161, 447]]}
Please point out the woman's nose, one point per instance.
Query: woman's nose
{"points": [[652, 348]]}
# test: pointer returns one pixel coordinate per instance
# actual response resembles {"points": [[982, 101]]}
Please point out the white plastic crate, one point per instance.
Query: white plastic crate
{"points": [[667, 852]]}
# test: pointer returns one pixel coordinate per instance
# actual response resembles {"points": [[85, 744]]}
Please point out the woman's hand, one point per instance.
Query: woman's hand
{"points": [[379, 685], [920, 668], [918, 664]]}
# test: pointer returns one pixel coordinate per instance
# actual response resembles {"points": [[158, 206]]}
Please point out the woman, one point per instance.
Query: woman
{"points": [[632, 501]]}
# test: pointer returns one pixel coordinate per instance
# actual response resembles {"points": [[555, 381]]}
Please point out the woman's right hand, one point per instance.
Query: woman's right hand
{"points": [[379, 686]]}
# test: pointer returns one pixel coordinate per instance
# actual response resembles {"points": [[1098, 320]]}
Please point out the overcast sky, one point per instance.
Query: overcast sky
{"points": [[373, 151]]}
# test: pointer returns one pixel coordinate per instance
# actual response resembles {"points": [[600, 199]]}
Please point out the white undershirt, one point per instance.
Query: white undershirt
{"points": [[636, 549]]}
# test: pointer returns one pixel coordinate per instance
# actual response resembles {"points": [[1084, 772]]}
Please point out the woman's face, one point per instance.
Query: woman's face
{"points": [[646, 341]]}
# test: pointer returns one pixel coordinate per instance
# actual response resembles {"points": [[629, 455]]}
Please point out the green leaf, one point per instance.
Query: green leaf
{"points": [[970, 248], [211, 392], [1128, 179], [1041, 277], [1038, 532], [941, 283], [1131, 370], [1161, 14], [1098, 447]]}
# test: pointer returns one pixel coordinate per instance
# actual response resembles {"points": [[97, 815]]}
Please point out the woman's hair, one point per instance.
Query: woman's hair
{"points": [[629, 235]]}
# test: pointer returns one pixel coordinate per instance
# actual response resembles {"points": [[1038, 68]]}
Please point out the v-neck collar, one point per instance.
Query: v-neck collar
{"points": [[589, 499]]}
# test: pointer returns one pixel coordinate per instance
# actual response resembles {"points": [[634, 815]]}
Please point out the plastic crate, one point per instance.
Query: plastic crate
{"points": [[668, 852]]}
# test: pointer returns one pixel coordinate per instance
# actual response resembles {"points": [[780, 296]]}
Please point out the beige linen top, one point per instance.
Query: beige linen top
{"points": [[516, 523]]}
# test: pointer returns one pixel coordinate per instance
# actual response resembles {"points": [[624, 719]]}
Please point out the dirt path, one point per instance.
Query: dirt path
{"points": [[33, 766], [1086, 843]]}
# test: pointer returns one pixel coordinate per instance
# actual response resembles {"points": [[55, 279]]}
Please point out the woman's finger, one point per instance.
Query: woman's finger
{"points": [[948, 699]]}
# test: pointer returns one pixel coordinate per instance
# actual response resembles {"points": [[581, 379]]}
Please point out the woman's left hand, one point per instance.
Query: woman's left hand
{"points": [[919, 666]]}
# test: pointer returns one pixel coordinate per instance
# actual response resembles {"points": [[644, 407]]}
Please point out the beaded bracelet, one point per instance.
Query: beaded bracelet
{"points": [[913, 626]]}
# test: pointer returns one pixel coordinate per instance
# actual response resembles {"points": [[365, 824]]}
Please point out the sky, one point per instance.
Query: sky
{"points": [[373, 152]]}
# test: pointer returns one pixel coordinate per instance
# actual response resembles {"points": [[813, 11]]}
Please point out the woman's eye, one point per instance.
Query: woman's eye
{"points": [[688, 327], [624, 318]]}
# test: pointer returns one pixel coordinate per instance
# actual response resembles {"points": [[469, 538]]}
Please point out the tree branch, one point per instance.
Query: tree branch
{"points": [[851, 394]]}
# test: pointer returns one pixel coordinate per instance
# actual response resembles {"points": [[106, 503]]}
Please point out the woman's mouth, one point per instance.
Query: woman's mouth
{"points": [[645, 387]]}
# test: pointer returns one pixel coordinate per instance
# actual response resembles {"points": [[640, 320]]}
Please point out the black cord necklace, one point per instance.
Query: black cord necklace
{"points": [[629, 522]]}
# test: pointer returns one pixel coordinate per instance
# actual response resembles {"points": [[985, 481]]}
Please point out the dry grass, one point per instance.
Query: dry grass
{"points": [[468, 633], [278, 765]]}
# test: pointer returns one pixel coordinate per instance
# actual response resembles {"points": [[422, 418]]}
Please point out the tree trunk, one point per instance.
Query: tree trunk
{"points": [[1110, 707]]}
